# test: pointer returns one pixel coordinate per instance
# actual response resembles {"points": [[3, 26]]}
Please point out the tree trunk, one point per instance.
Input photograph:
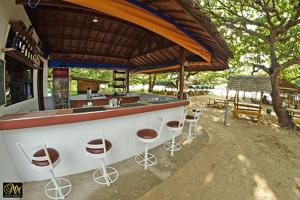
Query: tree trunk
{"points": [[281, 112], [152, 81]]}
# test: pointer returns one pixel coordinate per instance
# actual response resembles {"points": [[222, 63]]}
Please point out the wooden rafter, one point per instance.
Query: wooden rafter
{"points": [[115, 40]]}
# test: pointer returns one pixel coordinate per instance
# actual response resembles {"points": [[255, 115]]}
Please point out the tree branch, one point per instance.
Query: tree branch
{"points": [[292, 22], [245, 29], [289, 63], [234, 12], [257, 67]]}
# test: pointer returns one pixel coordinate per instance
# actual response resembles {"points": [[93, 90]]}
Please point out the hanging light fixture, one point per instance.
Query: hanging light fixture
{"points": [[95, 20]]}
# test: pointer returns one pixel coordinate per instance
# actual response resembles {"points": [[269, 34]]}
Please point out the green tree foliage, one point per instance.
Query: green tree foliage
{"points": [[98, 74], [264, 35]]}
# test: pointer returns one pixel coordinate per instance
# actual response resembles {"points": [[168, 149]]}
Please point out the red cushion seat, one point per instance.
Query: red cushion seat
{"points": [[108, 146], [173, 124], [147, 133], [53, 154], [194, 110], [189, 117]]}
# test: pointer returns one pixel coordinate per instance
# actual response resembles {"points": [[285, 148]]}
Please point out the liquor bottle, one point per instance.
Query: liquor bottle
{"points": [[29, 51], [23, 45], [26, 48], [20, 43], [15, 43], [35, 59], [31, 54]]}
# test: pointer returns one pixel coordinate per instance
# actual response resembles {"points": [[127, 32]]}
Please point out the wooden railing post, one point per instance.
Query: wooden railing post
{"points": [[181, 72]]}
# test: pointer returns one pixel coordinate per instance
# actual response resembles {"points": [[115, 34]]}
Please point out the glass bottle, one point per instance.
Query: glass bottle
{"points": [[26, 49], [32, 53], [20, 43], [15, 43], [23, 45]]}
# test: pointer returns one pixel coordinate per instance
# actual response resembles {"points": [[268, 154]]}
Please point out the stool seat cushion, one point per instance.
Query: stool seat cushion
{"points": [[108, 146], [195, 110], [147, 133], [173, 124], [189, 117], [53, 154]]}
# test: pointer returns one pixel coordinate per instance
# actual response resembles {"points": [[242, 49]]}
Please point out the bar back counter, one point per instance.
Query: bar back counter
{"points": [[60, 129]]}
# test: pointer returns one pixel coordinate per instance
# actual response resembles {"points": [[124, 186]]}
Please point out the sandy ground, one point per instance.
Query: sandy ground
{"points": [[246, 161]]}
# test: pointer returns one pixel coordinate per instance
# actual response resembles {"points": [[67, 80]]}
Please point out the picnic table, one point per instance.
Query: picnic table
{"points": [[216, 102], [252, 110], [295, 115]]}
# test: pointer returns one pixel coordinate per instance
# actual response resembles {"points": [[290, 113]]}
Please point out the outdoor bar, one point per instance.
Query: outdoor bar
{"points": [[126, 37]]}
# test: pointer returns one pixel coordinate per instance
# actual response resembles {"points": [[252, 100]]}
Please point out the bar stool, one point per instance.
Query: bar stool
{"points": [[99, 148], [147, 136], [42, 158], [193, 120], [175, 128]]}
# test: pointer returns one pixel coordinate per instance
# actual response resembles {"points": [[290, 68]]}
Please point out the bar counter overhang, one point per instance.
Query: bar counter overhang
{"points": [[61, 131]]}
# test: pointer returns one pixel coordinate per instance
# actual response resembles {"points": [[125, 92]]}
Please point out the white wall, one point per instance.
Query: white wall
{"points": [[10, 11]]}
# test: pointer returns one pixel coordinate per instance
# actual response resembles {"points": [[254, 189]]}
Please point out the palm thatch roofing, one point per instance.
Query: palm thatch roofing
{"points": [[249, 83], [70, 38]]}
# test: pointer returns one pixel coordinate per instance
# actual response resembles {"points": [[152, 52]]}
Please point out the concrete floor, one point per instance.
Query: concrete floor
{"points": [[133, 180]]}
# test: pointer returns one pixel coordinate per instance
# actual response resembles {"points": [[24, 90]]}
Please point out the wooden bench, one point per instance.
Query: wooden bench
{"points": [[295, 115], [216, 102], [252, 110]]}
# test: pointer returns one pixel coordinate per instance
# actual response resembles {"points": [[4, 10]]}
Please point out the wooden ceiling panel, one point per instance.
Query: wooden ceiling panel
{"points": [[69, 33]]}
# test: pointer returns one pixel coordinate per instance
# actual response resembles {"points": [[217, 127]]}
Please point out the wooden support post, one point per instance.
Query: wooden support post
{"points": [[127, 80], [181, 72], [226, 108]]}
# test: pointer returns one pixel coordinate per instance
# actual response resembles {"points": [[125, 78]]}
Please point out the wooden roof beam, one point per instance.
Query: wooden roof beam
{"points": [[88, 53], [78, 10], [153, 50]]}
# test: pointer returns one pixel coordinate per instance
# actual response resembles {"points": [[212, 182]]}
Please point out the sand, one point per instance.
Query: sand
{"points": [[245, 160]]}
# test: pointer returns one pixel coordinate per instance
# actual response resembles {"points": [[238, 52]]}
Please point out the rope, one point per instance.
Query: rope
{"points": [[31, 5]]}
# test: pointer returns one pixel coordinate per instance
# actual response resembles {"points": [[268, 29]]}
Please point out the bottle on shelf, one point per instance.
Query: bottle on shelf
{"points": [[31, 54], [23, 45], [26, 49], [20, 44], [16, 41]]}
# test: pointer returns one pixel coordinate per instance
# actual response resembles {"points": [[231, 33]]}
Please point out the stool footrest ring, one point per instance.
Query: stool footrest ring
{"points": [[64, 185], [99, 177], [151, 159], [168, 146]]}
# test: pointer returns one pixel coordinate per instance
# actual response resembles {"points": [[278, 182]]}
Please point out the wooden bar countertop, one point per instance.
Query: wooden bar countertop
{"points": [[65, 116]]}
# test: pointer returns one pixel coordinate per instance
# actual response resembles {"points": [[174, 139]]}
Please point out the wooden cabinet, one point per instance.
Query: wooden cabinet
{"points": [[102, 102]]}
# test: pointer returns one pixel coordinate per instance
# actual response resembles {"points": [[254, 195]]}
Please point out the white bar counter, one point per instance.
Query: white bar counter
{"points": [[60, 131]]}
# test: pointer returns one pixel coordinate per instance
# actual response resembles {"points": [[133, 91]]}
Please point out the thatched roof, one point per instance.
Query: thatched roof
{"points": [[69, 36], [249, 83]]}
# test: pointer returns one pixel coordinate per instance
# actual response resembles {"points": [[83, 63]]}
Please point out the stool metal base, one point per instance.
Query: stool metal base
{"points": [[189, 136], [105, 176], [53, 192], [169, 147], [146, 162]]}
